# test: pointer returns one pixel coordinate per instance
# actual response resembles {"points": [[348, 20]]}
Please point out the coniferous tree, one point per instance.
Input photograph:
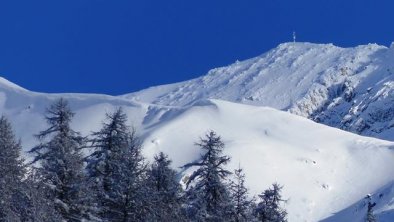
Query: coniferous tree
{"points": [[12, 170], [136, 195], [239, 197], [208, 197], [60, 161], [37, 204], [370, 216], [166, 191], [269, 209], [117, 170]]}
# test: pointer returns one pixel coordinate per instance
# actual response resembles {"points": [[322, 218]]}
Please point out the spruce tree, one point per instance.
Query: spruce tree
{"points": [[269, 209], [60, 161], [166, 190], [239, 197], [12, 171], [208, 196], [117, 170]]}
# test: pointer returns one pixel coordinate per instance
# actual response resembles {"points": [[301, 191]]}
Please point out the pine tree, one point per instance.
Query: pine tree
{"points": [[12, 170], [370, 216], [61, 163], [166, 190], [209, 196], [269, 209], [117, 170], [239, 197]]}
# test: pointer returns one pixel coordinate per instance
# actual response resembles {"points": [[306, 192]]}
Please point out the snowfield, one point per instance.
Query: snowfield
{"points": [[323, 169], [326, 172]]}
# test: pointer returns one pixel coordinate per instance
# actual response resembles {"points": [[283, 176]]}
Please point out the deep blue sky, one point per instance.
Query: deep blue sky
{"points": [[120, 46]]}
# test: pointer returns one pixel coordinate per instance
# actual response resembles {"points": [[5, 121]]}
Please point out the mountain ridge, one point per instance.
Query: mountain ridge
{"points": [[328, 84], [347, 88], [331, 85]]}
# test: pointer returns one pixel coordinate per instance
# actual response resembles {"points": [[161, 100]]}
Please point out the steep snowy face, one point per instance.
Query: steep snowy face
{"points": [[348, 88], [363, 101], [277, 79]]}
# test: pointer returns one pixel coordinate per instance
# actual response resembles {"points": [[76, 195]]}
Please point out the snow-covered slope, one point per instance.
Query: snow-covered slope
{"points": [[383, 210], [348, 88], [26, 110], [323, 169], [326, 172]]}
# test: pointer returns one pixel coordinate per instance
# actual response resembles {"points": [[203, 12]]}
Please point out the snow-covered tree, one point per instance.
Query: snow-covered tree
{"points": [[239, 196], [370, 217], [37, 205], [12, 170], [166, 190], [117, 171], [208, 195], [60, 161], [269, 209]]}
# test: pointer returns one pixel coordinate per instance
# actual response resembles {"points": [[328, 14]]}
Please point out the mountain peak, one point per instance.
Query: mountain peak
{"points": [[323, 82], [348, 88], [304, 44]]}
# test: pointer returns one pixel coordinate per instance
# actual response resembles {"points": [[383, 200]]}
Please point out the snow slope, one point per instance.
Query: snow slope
{"points": [[348, 88], [383, 210], [326, 172], [323, 169], [25, 109]]}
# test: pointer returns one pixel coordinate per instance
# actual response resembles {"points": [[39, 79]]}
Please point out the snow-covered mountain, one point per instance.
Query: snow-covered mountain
{"points": [[348, 88], [326, 172], [323, 169]]}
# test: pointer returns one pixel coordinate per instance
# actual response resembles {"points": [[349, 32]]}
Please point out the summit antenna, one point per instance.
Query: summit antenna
{"points": [[294, 36]]}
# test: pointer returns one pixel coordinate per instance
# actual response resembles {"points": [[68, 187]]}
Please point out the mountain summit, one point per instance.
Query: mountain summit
{"points": [[347, 88]]}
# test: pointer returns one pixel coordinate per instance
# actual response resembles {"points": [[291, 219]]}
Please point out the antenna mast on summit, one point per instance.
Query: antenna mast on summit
{"points": [[294, 36]]}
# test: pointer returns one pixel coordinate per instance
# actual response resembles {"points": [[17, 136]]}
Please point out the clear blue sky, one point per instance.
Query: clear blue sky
{"points": [[120, 46]]}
